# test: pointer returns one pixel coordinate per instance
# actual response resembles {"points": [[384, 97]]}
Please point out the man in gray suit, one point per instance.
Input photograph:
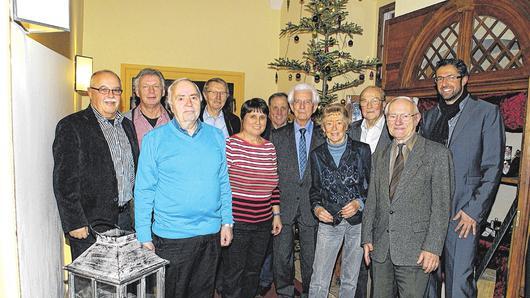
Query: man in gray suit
{"points": [[371, 130], [474, 132], [293, 143], [407, 210]]}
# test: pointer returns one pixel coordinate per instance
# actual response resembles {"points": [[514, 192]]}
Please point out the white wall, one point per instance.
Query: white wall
{"points": [[42, 92]]}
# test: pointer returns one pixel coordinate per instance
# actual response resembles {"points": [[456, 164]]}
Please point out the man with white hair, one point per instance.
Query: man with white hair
{"points": [[183, 202], [293, 143]]}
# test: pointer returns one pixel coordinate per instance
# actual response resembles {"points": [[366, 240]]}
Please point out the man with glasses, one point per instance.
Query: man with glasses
{"points": [[149, 87], [183, 205], [293, 143], [407, 211], [474, 132], [373, 131], [95, 152], [215, 110]]}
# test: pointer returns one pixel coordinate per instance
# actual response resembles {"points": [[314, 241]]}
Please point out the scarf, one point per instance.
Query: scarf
{"points": [[440, 133]]}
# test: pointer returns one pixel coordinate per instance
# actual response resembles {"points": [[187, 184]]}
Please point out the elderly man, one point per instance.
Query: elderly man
{"points": [[373, 131], [474, 132], [293, 143], [95, 152], [215, 111], [149, 86], [407, 210], [183, 199]]}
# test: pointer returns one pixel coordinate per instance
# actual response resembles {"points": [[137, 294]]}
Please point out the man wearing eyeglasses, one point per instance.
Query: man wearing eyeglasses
{"points": [[407, 211], [293, 143], [215, 110], [95, 153], [149, 87], [373, 131], [474, 132]]}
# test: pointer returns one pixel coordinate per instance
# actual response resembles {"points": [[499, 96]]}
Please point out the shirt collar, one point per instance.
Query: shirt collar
{"points": [[379, 124], [117, 119], [182, 130], [408, 143], [308, 126], [206, 115]]}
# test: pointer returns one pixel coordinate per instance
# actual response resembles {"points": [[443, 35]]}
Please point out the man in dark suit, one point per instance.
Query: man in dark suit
{"points": [[407, 210], [215, 108], [95, 153], [474, 132], [371, 130], [293, 143]]}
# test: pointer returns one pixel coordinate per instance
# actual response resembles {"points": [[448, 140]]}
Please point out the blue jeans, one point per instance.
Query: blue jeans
{"points": [[329, 241]]}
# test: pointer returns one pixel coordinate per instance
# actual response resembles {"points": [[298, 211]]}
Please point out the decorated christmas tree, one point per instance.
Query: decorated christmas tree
{"points": [[325, 57]]}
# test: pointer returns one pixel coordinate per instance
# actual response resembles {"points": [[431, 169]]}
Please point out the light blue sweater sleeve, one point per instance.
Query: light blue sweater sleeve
{"points": [[144, 190], [226, 192]]}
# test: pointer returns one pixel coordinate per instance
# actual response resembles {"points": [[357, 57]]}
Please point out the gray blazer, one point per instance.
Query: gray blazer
{"points": [[418, 216], [355, 131], [477, 144], [294, 193]]}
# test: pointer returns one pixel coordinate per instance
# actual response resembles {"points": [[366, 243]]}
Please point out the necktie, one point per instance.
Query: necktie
{"points": [[302, 152], [399, 164]]}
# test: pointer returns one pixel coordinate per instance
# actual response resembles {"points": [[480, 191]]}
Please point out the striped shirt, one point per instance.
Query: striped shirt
{"points": [[121, 154], [253, 176]]}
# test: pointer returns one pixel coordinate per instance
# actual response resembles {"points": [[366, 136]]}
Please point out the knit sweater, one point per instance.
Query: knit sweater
{"points": [[184, 181], [253, 178]]}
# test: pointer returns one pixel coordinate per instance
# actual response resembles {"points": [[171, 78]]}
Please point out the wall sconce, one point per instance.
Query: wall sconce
{"points": [[83, 71]]}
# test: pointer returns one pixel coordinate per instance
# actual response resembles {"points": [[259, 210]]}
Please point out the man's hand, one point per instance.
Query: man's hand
{"points": [[80, 233], [148, 245], [428, 261], [226, 235], [350, 209], [466, 224], [368, 248], [276, 225], [323, 215]]}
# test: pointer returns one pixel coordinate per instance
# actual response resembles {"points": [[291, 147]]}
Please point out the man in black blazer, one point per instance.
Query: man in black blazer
{"points": [[215, 108], [95, 153], [373, 131], [293, 143]]}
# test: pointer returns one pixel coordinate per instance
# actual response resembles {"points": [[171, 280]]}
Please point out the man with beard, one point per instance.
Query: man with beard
{"points": [[474, 132]]}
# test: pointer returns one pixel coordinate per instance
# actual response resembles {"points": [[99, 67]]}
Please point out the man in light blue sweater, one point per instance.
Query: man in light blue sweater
{"points": [[183, 202]]}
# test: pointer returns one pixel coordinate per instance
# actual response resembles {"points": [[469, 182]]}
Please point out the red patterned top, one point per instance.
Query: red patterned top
{"points": [[253, 176]]}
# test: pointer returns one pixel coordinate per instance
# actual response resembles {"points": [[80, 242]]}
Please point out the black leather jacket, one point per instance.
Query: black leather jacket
{"points": [[333, 187]]}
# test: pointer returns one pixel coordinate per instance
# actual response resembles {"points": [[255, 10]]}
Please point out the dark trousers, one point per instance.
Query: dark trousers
{"points": [[192, 267], [78, 246], [265, 277], [243, 258], [411, 280], [283, 258], [362, 281]]}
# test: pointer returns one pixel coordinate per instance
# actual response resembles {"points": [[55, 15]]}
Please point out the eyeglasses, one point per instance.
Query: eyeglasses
{"points": [[217, 93], [374, 101], [105, 90], [450, 78], [302, 102], [403, 117]]}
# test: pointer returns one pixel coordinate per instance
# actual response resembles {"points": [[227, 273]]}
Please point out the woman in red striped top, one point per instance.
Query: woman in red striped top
{"points": [[255, 202]]}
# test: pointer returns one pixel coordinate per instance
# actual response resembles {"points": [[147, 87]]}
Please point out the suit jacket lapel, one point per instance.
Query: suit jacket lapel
{"points": [[384, 139], [465, 115], [385, 173], [414, 162], [355, 131]]}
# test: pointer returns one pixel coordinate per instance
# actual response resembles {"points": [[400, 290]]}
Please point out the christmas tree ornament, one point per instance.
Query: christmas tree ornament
{"points": [[330, 78], [315, 18], [290, 77], [361, 77], [371, 75], [350, 43], [328, 69], [276, 78], [296, 38], [298, 76], [317, 78]]}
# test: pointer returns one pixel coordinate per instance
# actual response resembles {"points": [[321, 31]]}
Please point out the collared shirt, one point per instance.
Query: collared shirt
{"points": [[308, 134], [142, 126], [407, 149], [371, 135], [452, 122], [218, 121], [121, 154], [182, 130]]}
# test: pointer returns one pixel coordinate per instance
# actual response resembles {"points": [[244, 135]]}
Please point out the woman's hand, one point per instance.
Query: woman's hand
{"points": [[350, 209], [323, 215], [276, 225]]}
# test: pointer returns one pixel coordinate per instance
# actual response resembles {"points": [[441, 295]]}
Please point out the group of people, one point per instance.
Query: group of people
{"points": [[399, 194]]}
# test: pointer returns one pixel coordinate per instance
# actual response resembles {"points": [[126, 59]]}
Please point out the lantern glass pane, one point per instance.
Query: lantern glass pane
{"points": [[133, 289], [106, 291], [83, 287], [151, 289]]}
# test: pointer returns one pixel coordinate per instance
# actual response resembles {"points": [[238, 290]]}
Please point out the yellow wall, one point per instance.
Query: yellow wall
{"points": [[364, 13], [406, 6], [236, 35]]}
